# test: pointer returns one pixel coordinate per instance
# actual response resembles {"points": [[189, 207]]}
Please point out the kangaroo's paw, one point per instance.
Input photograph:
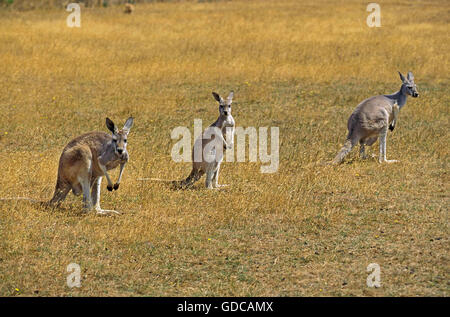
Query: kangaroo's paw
{"points": [[388, 161], [107, 212], [110, 188], [87, 209], [221, 185], [392, 161], [116, 186]]}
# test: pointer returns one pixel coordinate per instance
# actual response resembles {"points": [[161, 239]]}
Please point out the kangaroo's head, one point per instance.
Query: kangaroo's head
{"points": [[408, 85], [224, 105], [119, 137]]}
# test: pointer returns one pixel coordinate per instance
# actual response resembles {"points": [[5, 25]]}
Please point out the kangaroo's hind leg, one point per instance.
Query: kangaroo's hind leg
{"points": [[383, 135], [96, 186], [215, 179], [368, 142], [362, 150], [208, 182], [86, 187], [83, 171], [209, 178], [61, 191]]}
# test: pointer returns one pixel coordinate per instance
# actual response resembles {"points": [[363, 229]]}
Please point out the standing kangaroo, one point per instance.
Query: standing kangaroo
{"points": [[211, 145], [86, 159], [373, 116]]}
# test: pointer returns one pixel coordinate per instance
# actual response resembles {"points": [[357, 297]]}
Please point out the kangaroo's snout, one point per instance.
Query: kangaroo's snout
{"points": [[225, 113], [119, 151], [415, 94]]}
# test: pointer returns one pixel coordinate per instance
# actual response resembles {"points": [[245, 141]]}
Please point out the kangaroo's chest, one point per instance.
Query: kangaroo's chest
{"points": [[213, 151], [394, 112], [109, 160], [97, 171], [112, 164]]}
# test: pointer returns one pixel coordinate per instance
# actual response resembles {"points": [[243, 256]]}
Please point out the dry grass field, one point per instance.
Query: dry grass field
{"points": [[307, 230]]}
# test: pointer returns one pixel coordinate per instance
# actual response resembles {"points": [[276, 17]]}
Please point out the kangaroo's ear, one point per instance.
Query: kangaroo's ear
{"points": [[402, 77], [217, 97], [230, 98], [128, 124], [111, 126], [410, 76]]}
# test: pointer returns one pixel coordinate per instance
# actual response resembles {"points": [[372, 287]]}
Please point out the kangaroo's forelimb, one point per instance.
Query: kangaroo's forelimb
{"points": [[116, 185], [395, 111]]}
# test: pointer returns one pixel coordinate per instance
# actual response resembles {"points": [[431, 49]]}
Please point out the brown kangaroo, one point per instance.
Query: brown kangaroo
{"points": [[86, 159]]}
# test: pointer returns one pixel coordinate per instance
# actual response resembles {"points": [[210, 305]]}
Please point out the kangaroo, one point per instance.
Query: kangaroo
{"points": [[211, 145], [83, 163], [372, 118], [86, 159], [129, 8]]}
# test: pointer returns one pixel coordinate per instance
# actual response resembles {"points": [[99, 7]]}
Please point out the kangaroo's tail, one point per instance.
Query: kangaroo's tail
{"points": [[189, 181], [155, 180], [34, 201], [185, 183], [348, 146]]}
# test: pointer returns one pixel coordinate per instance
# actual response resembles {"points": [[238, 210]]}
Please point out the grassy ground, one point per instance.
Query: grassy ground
{"points": [[303, 66]]}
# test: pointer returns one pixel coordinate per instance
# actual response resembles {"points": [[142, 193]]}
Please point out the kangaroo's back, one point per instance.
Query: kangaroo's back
{"points": [[95, 140], [370, 115]]}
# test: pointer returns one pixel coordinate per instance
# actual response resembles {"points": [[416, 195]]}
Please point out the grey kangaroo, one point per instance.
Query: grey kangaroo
{"points": [[86, 159], [211, 145], [372, 118]]}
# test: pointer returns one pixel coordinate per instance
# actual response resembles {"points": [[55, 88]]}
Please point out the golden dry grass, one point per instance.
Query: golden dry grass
{"points": [[302, 66]]}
